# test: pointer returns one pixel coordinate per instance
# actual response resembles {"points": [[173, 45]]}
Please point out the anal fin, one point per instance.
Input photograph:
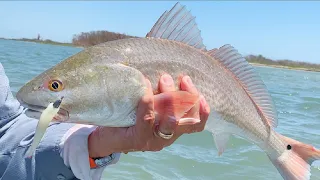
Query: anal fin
{"points": [[221, 141]]}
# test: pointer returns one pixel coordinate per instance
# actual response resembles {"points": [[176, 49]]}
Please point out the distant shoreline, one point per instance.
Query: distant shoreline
{"points": [[47, 41], [284, 67], [72, 45]]}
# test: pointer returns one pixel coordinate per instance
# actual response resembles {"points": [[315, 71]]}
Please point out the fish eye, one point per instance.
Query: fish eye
{"points": [[55, 85], [289, 147]]}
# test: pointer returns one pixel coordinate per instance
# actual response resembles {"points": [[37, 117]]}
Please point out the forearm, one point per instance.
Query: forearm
{"points": [[46, 163], [62, 152], [75, 152]]}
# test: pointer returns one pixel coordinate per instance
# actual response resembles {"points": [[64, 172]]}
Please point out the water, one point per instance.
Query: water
{"points": [[296, 95]]}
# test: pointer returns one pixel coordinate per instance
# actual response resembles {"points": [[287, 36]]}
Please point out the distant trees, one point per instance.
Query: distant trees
{"points": [[294, 64], [92, 38]]}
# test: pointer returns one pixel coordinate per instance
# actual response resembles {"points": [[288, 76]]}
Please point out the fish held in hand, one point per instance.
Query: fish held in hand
{"points": [[103, 84]]}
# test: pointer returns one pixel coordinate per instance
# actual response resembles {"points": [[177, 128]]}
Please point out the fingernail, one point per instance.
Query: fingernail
{"points": [[189, 81], [167, 79]]}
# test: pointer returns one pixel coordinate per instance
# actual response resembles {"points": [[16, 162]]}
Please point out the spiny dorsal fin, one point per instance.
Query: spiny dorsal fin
{"points": [[249, 79], [212, 51], [178, 24]]}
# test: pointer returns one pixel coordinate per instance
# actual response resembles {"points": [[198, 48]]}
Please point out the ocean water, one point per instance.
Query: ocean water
{"points": [[194, 156]]}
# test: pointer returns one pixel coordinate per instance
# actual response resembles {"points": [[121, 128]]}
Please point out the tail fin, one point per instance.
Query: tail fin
{"points": [[176, 104], [295, 161]]}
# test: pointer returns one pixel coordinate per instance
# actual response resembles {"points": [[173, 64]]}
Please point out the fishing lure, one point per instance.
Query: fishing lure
{"points": [[46, 116]]}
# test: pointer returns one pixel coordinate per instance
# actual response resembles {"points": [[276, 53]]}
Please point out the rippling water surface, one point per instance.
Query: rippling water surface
{"points": [[296, 95]]}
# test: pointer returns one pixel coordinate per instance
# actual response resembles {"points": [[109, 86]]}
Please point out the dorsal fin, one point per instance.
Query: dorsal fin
{"points": [[249, 80], [212, 51], [178, 24]]}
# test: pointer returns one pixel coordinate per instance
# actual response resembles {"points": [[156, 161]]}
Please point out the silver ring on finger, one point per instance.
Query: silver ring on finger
{"points": [[162, 135]]}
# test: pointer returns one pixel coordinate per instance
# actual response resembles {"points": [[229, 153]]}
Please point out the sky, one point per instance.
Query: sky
{"points": [[277, 30]]}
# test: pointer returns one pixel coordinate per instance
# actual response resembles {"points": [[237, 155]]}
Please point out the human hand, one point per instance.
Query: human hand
{"points": [[141, 137], [201, 110]]}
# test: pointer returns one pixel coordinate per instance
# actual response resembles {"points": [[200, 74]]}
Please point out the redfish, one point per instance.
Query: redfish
{"points": [[103, 84]]}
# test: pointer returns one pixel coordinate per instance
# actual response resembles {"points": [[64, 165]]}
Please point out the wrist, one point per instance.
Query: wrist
{"points": [[106, 141], [93, 149]]}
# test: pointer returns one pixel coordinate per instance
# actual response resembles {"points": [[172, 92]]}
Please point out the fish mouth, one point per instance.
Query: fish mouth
{"points": [[35, 111]]}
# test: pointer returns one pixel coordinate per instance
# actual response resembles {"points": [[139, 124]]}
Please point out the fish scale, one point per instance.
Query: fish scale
{"points": [[103, 84]]}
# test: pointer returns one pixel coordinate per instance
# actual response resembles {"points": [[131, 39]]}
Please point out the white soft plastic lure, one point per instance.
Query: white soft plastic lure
{"points": [[46, 116]]}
